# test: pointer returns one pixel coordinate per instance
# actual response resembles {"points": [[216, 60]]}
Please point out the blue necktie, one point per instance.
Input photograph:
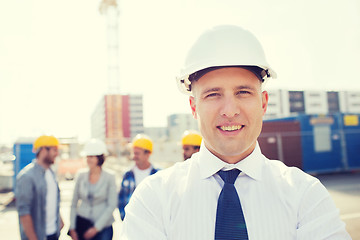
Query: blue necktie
{"points": [[230, 222]]}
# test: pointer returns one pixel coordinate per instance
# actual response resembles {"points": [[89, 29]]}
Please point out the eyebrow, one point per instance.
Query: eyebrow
{"points": [[216, 89], [244, 87]]}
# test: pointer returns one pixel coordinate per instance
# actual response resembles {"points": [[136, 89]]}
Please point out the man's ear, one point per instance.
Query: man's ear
{"points": [[193, 106], [265, 100]]}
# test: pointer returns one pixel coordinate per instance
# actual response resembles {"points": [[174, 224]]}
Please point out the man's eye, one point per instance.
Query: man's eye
{"points": [[212, 95], [243, 92]]}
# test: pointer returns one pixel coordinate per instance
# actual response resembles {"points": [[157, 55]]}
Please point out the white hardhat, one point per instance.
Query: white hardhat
{"points": [[95, 147], [221, 46]]}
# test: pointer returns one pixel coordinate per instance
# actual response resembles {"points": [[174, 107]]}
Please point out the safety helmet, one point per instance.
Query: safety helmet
{"points": [[220, 46], [191, 137], [95, 147], [142, 141], [45, 141]]}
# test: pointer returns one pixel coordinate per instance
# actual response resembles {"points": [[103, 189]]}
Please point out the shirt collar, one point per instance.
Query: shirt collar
{"points": [[38, 167], [210, 164]]}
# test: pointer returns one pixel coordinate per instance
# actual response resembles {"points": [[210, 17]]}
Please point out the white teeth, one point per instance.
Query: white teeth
{"points": [[231, 128]]}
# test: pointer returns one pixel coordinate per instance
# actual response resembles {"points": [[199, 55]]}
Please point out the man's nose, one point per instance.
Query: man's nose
{"points": [[230, 107]]}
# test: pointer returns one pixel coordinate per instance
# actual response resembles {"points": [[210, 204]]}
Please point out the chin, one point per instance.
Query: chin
{"points": [[234, 151]]}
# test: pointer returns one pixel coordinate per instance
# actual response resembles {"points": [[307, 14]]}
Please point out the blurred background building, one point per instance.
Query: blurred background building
{"points": [[117, 119], [285, 103]]}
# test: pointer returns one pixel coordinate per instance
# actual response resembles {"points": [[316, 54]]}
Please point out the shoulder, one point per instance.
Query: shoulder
{"points": [[82, 174], [128, 173], [27, 171], [108, 173], [290, 178], [26, 179], [293, 185], [83, 171], [168, 178], [128, 179], [156, 191], [154, 170], [278, 168]]}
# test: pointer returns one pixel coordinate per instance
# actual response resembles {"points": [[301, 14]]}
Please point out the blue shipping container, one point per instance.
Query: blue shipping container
{"points": [[24, 156], [329, 143], [321, 143], [351, 131]]}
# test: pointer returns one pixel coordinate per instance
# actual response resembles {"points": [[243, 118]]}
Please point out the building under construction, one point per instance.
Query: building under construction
{"points": [[117, 119]]}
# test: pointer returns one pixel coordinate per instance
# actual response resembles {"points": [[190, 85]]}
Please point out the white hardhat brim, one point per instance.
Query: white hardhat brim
{"points": [[184, 83], [224, 45]]}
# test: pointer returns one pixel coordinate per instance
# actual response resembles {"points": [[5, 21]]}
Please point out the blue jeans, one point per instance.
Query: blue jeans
{"points": [[105, 234]]}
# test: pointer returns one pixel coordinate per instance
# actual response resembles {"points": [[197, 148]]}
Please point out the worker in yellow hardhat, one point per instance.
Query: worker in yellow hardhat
{"points": [[37, 193], [142, 147], [45, 141], [191, 141]]}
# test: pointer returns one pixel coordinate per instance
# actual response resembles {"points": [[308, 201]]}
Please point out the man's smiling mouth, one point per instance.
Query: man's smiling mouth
{"points": [[231, 128]]}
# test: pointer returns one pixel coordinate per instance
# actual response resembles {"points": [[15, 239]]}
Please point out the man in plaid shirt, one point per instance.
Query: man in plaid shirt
{"points": [[141, 151]]}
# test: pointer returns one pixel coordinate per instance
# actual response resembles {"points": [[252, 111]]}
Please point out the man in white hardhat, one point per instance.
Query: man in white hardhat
{"points": [[229, 190]]}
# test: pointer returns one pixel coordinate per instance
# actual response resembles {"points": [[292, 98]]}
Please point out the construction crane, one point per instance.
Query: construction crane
{"points": [[114, 134], [109, 8]]}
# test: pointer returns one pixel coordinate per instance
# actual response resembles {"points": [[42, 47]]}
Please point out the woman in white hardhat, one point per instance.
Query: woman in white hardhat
{"points": [[95, 197]]}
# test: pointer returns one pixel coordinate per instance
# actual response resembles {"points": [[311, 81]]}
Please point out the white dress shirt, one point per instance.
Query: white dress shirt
{"points": [[279, 202]]}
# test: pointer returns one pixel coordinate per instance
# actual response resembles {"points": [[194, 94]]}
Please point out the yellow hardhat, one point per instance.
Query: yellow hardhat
{"points": [[45, 141], [142, 141], [191, 137]]}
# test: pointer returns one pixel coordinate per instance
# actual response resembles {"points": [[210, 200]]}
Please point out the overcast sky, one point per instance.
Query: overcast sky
{"points": [[53, 54]]}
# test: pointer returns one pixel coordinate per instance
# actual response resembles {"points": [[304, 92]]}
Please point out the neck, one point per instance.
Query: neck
{"points": [[233, 159], [43, 164], [143, 166], [95, 170]]}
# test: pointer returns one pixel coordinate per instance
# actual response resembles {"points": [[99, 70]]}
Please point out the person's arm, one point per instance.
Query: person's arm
{"points": [[90, 233], [28, 226], [74, 203], [318, 216], [73, 234], [144, 213], [111, 204], [61, 223], [24, 193]]}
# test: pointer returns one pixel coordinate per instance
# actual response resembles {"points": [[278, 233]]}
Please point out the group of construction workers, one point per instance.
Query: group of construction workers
{"points": [[228, 190], [38, 194]]}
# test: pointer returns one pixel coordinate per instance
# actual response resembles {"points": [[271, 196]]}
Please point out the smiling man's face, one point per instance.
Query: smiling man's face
{"points": [[229, 106]]}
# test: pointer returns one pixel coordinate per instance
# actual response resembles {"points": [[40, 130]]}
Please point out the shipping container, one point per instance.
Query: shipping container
{"points": [[351, 131], [316, 143], [23, 156]]}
